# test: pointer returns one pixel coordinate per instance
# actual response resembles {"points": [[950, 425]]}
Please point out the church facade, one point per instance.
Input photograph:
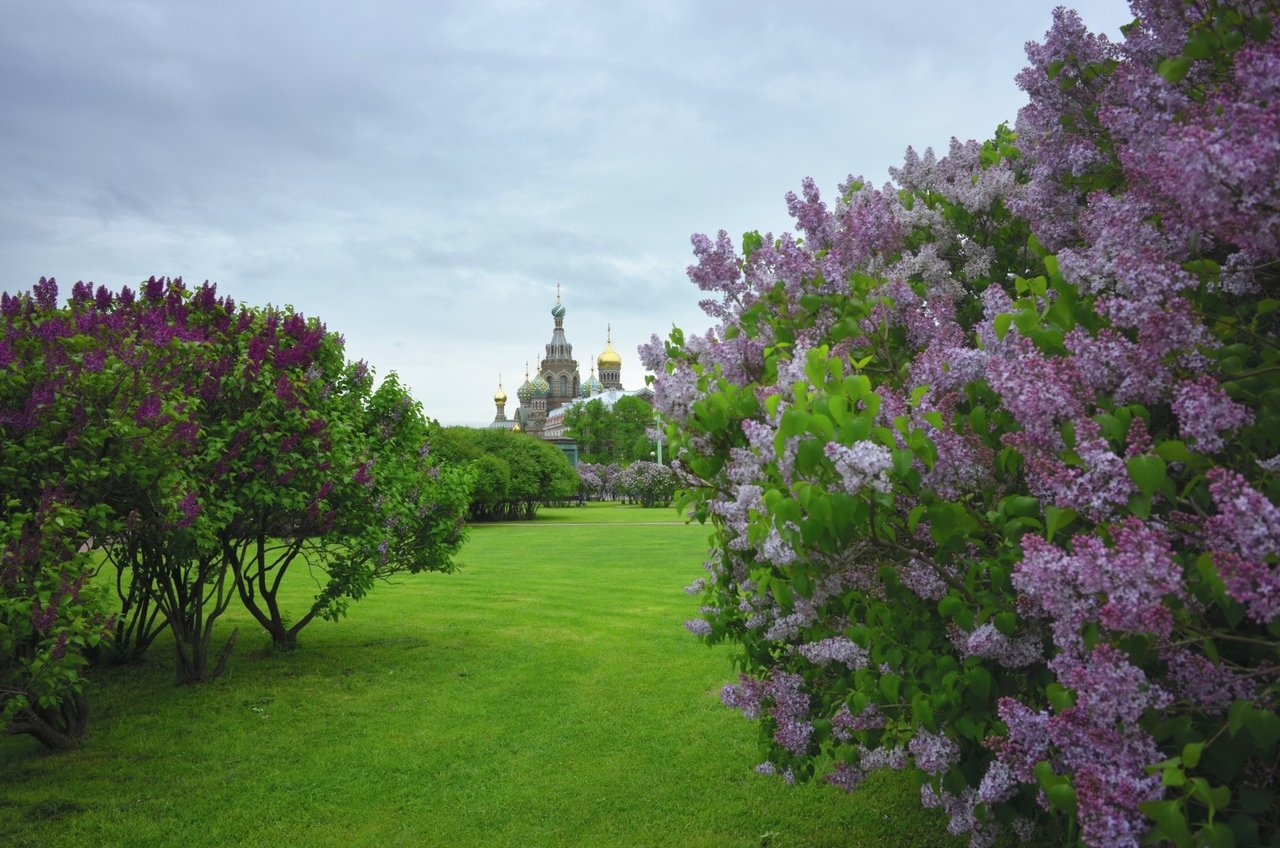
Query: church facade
{"points": [[557, 384]]}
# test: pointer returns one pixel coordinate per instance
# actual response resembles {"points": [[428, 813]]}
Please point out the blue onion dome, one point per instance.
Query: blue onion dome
{"points": [[541, 388], [592, 386], [557, 311]]}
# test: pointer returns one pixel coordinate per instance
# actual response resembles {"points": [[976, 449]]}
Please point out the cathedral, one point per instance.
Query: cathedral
{"points": [[557, 384]]}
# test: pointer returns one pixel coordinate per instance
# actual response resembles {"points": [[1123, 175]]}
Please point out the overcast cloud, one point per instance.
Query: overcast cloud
{"points": [[421, 175]]}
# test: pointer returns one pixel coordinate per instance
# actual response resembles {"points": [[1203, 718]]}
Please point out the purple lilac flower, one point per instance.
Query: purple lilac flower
{"points": [[1206, 685], [861, 464], [835, 649], [1134, 577], [1245, 540], [934, 753], [846, 777], [894, 758], [746, 696], [921, 578], [989, 643], [1027, 742], [998, 784], [844, 723], [1205, 412], [1040, 391], [698, 627], [190, 508], [148, 410]]}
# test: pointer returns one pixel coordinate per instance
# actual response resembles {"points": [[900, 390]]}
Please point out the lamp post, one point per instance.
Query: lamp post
{"points": [[658, 441]]}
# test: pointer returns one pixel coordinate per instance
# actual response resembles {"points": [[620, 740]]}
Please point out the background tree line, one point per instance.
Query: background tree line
{"points": [[618, 434], [514, 473]]}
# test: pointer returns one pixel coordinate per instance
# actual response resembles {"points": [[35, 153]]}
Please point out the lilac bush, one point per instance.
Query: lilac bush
{"points": [[198, 447], [991, 451], [645, 483]]}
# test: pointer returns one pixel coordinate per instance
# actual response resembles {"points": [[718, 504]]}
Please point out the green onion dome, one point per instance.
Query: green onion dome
{"points": [[525, 392]]}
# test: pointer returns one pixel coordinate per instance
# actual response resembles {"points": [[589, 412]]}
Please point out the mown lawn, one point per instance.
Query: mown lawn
{"points": [[544, 695]]}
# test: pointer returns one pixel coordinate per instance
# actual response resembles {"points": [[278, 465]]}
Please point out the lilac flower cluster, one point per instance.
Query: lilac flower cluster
{"points": [[934, 753], [1123, 586], [844, 723], [836, 649], [1011, 652], [861, 464], [1245, 539], [1205, 412]]}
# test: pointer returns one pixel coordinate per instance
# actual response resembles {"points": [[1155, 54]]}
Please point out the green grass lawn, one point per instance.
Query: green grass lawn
{"points": [[544, 695]]}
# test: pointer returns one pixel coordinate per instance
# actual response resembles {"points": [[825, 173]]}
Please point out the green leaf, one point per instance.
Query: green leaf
{"points": [[1201, 46], [1063, 797], [1236, 715], [914, 516], [1218, 835], [1056, 519], [1191, 753], [1060, 697], [1264, 727], [1001, 325], [1174, 69], [1173, 451], [889, 685], [1006, 622], [1147, 472], [1046, 776], [949, 606], [1170, 821], [1260, 28], [794, 422], [980, 682]]}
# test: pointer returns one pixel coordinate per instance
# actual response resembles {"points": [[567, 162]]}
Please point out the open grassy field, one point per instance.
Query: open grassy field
{"points": [[544, 695]]}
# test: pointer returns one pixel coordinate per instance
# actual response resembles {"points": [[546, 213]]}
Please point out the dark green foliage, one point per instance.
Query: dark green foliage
{"points": [[515, 472]]}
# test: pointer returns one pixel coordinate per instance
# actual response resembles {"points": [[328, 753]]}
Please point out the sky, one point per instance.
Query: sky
{"points": [[422, 174]]}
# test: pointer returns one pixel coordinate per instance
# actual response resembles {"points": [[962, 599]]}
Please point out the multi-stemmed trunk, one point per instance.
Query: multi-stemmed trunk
{"points": [[259, 566], [189, 588], [58, 728]]}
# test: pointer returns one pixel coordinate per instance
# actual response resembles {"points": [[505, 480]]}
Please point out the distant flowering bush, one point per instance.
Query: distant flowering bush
{"points": [[645, 483], [991, 451]]}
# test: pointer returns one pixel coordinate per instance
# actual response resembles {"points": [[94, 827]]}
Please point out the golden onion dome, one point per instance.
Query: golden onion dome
{"points": [[499, 396], [610, 357]]}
